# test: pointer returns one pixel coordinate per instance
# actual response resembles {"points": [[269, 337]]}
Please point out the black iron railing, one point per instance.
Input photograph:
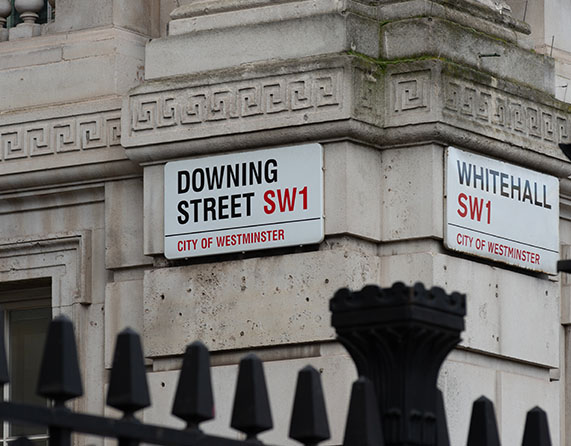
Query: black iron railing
{"points": [[398, 338]]}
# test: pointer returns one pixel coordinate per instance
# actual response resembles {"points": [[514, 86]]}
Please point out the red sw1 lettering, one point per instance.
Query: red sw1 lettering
{"points": [[475, 206], [284, 200]]}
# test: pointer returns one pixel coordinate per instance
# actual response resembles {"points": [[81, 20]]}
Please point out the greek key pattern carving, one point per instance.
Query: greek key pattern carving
{"points": [[504, 112], [68, 134], [410, 92], [243, 100], [368, 93]]}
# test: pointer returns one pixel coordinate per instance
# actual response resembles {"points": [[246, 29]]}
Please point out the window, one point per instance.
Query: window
{"points": [[27, 313]]}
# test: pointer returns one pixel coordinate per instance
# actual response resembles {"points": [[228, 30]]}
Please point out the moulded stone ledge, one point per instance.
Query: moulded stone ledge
{"points": [[467, 14], [63, 68], [381, 103], [421, 36], [62, 144]]}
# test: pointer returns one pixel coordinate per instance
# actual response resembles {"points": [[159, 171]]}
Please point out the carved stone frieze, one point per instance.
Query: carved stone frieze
{"points": [[60, 135], [410, 97], [498, 110], [244, 105]]}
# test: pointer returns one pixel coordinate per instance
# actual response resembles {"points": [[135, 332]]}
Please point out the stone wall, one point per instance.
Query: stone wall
{"points": [[91, 111]]}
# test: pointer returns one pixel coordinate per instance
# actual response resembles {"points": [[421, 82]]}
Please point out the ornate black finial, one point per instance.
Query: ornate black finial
{"points": [[398, 338], [193, 400], [251, 411], [309, 423], [128, 390], [59, 378]]}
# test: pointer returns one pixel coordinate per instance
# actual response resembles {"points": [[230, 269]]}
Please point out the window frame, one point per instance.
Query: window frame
{"points": [[21, 295]]}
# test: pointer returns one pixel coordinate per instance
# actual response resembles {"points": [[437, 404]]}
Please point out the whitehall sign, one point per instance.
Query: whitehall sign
{"points": [[501, 211], [244, 201]]}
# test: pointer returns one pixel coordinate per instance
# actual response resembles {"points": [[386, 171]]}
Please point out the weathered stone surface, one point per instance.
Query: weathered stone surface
{"points": [[65, 143], [255, 302], [124, 224], [337, 374], [514, 388], [523, 393], [376, 103], [153, 209], [246, 99], [74, 15], [123, 308], [412, 182], [499, 302], [24, 31], [431, 36], [353, 184], [231, 34], [112, 62], [65, 258]]}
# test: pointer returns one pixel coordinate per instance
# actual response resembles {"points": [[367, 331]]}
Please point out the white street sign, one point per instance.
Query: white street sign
{"points": [[501, 211], [244, 201]]}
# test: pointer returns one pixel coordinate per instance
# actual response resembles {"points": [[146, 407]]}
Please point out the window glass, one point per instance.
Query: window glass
{"points": [[27, 329]]}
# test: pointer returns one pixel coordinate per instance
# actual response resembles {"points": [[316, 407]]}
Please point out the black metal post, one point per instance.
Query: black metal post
{"points": [[398, 338]]}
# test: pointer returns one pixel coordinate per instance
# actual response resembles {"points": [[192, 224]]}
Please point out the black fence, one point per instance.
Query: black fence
{"points": [[398, 338]]}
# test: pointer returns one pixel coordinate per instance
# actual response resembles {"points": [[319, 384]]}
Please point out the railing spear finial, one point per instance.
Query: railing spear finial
{"points": [[59, 377], [251, 411], [309, 423], [128, 389], [193, 401]]}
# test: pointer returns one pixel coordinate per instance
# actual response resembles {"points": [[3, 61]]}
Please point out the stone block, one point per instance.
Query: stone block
{"points": [[462, 383], [256, 302], [519, 394], [243, 100], [124, 224], [418, 37], [54, 69], [24, 31], [509, 313], [337, 375], [557, 17], [153, 209], [88, 325], [352, 180], [70, 143], [73, 15], [123, 308], [99, 274], [37, 56], [412, 184], [137, 15], [237, 37]]}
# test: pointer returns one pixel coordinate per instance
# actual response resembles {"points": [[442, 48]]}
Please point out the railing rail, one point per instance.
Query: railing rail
{"points": [[398, 337]]}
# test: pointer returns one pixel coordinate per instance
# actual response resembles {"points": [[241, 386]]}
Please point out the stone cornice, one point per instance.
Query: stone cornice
{"points": [[62, 144], [344, 97]]}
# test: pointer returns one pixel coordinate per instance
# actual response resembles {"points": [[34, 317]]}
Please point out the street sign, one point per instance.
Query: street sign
{"points": [[244, 201], [501, 211]]}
